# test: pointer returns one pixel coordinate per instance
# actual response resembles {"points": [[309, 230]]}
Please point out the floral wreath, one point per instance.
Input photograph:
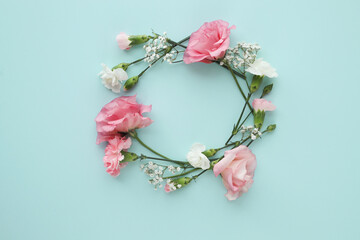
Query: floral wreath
{"points": [[118, 120]]}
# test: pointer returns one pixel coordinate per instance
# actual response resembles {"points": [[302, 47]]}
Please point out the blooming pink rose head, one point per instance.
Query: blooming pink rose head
{"points": [[237, 171], [113, 156], [123, 41], [208, 43], [119, 116], [263, 105]]}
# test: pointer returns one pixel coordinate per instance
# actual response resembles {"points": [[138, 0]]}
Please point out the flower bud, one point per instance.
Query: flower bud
{"points": [[138, 39], [210, 152], [129, 156], [212, 164], [182, 181], [255, 83], [124, 66], [271, 128], [131, 82], [259, 117], [267, 90]]}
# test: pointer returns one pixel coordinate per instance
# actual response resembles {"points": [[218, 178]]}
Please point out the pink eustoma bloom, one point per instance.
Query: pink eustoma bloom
{"points": [[237, 170], [121, 115], [209, 43]]}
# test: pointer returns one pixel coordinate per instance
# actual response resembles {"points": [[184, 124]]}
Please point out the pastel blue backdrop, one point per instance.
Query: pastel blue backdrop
{"points": [[52, 181]]}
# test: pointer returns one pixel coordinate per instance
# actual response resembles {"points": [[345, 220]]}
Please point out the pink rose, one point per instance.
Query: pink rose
{"points": [[120, 116], [208, 43], [113, 156], [237, 171], [263, 105], [123, 41]]}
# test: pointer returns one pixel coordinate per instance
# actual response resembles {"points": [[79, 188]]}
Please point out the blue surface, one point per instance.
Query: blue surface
{"points": [[52, 181]]}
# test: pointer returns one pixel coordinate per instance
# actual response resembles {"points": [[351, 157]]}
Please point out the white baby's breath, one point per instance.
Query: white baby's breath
{"points": [[196, 158], [112, 79]]}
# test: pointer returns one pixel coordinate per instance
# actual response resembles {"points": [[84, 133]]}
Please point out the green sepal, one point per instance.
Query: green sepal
{"points": [[138, 39], [212, 163], [210, 152], [131, 82], [259, 117], [255, 83], [267, 90], [129, 156], [124, 66]]}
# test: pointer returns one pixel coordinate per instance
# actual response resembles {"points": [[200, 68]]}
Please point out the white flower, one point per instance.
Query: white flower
{"points": [[262, 68], [196, 158], [113, 79]]}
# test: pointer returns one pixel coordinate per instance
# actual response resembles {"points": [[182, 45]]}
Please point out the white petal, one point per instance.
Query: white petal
{"points": [[197, 147]]}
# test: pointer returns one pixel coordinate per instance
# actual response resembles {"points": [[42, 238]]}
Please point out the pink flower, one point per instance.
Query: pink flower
{"points": [[113, 156], [208, 43], [167, 188], [119, 116], [237, 171], [123, 41], [263, 105]]}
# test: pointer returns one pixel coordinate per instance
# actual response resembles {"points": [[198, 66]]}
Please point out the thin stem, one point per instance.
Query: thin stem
{"points": [[226, 145], [235, 72], [197, 175], [250, 143], [179, 61], [151, 64], [178, 43], [238, 85], [165, 160], [134, 135], [238, 122], [245, 119], [182, 174], [144, 71], [136, 61]]}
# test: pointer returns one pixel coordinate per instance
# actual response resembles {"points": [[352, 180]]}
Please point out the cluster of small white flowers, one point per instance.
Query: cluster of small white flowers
{"points": [[241, 55], [156, 173], [171, 56], [246, 128], [173, 185], [254, 132], [154, 47], [173, 169]]}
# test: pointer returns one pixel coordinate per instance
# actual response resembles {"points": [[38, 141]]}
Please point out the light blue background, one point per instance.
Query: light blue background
{"points": [[52, 181]]}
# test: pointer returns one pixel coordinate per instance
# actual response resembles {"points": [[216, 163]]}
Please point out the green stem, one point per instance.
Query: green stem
{"points": [[244, 120], [136, 61], [165, 160], [250, 143], [238, 85], [178, 43], [134, 135], [226, 145], [238, 122], [197, 175], [235, 72], [182, 174]]}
